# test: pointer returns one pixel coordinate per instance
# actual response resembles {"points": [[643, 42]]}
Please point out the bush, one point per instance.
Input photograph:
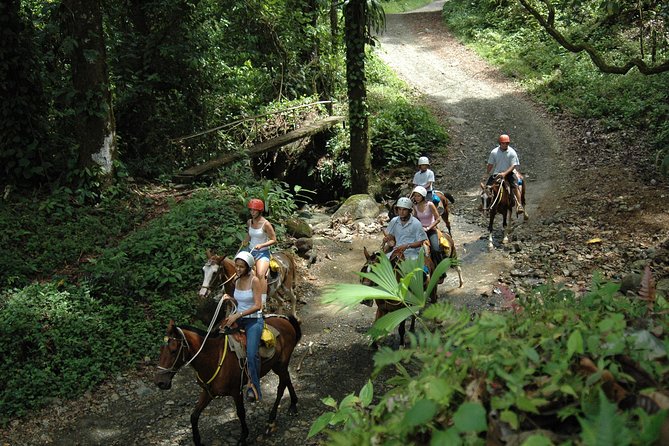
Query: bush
{"points": [[58, 341]]}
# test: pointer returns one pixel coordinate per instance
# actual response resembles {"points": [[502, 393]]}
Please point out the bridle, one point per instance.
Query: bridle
{"points": [[209, 264], [498, 196], [182, 352]]}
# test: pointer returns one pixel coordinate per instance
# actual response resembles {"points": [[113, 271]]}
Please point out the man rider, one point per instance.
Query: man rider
{"points": [[407, 230], [503, 160]]}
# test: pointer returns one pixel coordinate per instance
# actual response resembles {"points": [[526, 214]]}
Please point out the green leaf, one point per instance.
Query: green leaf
{"points": [[329, 401], [390, 321], [537, 440], [574, 344], [604, 426], [470, 417], [422, 412], [320, 424], [450, 437], [510, 417], [366, 394]]}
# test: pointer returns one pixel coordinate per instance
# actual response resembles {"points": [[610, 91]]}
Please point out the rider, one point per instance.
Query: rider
{"points": [[249, 317], [407, 230], [424, 177], [504, 160], [259, 238], [428, 215]]}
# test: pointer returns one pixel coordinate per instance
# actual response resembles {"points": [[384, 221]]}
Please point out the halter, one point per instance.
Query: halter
{"points": [[181, 352]]}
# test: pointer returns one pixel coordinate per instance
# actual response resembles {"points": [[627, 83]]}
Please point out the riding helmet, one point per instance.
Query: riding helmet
{"points": [[423, 160], [420, 190], [504, 138], [256, 204], [246, 257], [404, 202]]}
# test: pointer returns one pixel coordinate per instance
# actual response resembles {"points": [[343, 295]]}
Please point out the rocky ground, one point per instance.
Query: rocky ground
{"points": [[594, 202]]}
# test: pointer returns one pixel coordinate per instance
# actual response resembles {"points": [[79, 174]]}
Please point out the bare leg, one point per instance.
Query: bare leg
{"points": [[261, 272]]}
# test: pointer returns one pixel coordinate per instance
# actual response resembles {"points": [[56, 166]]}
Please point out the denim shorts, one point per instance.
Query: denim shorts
{"points": [[263, 254]]}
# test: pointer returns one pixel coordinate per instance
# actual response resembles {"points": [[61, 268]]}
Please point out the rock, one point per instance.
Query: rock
{"points": [[358, 206], [630, 282], [303, 245], [298, 228]]}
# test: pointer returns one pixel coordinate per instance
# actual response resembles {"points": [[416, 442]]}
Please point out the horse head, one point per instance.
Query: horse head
{"points": [[173, 355], [215, 267]]}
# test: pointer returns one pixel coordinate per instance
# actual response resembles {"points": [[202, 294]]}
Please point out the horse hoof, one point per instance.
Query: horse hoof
{"points": [[292, 411], [271, 428]]}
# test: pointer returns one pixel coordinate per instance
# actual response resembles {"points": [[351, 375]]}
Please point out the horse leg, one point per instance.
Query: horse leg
{"points": [[459, 270], [241, 414], [492, 218], [202, 402], [284, 381], [505, 240], [402, 330], [293, 300]]}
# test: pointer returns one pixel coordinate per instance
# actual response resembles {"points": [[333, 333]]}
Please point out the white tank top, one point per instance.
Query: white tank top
{"points": [[258, 236], [245, 301]]}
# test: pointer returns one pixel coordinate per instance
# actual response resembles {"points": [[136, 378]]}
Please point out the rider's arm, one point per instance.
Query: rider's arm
{"points": [[271, 236], [436, 215], [488, 168], [247, 238]]}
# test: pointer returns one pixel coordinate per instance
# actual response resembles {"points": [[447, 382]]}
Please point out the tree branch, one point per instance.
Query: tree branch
{"points": [[548, 23]]}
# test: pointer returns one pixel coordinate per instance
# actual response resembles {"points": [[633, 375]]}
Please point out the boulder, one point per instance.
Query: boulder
{"points": [[358, 206], [303, 245], [298, 228]]}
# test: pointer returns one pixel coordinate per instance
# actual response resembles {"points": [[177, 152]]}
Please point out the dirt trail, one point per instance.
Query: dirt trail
{"points": [[333, 357]]}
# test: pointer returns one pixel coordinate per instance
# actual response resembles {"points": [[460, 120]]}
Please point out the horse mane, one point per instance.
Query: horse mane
{"points": [[199, 331]]}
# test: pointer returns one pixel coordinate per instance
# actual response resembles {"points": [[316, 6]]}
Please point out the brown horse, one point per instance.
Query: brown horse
{"points": [[384, 306], [496, 199], [281, 279], [218, 369], [443, 207], [448, 252]]}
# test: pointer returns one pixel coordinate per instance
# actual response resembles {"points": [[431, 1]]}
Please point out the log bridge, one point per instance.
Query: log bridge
{"points": [[190, 174]]}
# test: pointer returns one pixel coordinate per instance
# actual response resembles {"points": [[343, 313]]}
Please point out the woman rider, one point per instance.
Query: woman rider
{"points": [[248, 317], [259, 238], [428, 215]]}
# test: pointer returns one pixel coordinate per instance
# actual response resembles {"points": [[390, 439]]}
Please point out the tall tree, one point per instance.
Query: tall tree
{"points": [[360, 18], [94, 125]]}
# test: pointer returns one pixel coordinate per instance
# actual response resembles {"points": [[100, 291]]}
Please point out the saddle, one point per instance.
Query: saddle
{"points": [[237, 340]]}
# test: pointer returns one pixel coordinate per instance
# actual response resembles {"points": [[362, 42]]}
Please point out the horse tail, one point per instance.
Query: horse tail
{"points": [[296, 325], [450, 197]]}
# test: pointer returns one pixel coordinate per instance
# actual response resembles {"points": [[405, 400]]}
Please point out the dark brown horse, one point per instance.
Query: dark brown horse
{"points": [[498, 198], [218, 370], [384, 306]]}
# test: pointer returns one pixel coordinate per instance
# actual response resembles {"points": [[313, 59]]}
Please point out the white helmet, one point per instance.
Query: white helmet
{"points": [[420, 190], [246, 257], [404, 202], [423, 160]]}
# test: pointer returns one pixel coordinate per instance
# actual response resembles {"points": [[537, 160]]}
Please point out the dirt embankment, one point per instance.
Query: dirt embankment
{"points": [[580, 183]]}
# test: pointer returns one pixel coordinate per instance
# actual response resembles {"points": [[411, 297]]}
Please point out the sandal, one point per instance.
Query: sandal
{"points": [[251, 395]]}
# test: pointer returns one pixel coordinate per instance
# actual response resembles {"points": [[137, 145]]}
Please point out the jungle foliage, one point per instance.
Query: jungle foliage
{"points": [[505, 33], [552, 368]]}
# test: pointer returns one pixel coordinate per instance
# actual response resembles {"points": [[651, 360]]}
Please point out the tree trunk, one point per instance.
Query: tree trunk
{"points": [[94, 127], [354, 22]]}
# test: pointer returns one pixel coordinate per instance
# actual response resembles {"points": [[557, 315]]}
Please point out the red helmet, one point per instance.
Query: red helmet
{"points": [[504, 138], [256, 204]]}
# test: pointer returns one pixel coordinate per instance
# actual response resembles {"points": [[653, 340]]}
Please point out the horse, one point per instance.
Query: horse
{"points": [[218, 371], [217, 270], [281, 278], [443, 207], [384, 306], [498, 198], [448, 252]]}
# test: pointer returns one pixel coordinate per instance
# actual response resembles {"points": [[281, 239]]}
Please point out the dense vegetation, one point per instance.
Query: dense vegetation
{"points": [[553, 369]]}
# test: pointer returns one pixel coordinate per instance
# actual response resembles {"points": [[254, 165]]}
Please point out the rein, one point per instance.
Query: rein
{"points": [[500, 191], [220, 364]]}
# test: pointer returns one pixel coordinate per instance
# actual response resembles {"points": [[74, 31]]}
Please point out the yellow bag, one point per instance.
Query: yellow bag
{"points": [[274, 265], [267, 337]]}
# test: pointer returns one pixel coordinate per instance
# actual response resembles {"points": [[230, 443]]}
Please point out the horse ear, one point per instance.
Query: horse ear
{"points": [[208, 252], [170, 326], [482, 186]]}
